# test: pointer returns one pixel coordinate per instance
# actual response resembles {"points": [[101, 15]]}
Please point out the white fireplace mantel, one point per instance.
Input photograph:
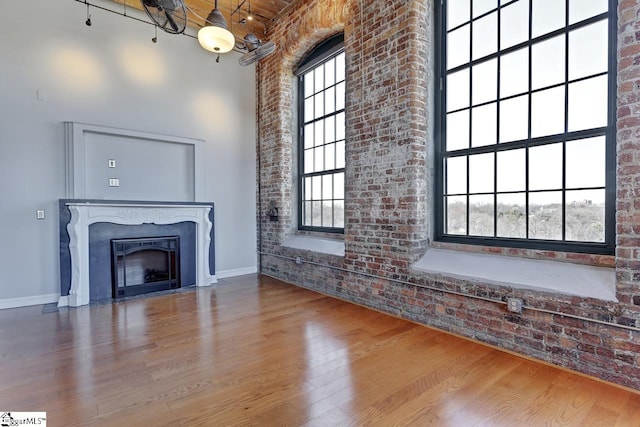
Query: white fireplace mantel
{"points": [[85, 214]]}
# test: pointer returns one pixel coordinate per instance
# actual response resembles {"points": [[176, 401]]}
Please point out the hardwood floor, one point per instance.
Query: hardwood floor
{"points": [[256, 351]]}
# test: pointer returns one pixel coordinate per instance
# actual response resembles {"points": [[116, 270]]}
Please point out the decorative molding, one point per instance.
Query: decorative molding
{"points": [[85, 214], [76, 173], [27, 301]]}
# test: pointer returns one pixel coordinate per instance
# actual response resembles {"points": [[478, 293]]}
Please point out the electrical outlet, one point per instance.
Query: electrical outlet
{"points": [[114, 182], [40, 214], [298, 260], [514, 305]]}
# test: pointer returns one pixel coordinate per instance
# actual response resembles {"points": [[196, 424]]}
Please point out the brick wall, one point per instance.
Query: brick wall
{"points": [[388, 213]]}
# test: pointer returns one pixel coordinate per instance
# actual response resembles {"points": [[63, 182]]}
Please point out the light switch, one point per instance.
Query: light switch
{"points": [[112, 163], [40, 214], [114, 182]]}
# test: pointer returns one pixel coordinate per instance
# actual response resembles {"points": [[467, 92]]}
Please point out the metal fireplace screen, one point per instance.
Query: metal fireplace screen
{"points": [[143, 265]]}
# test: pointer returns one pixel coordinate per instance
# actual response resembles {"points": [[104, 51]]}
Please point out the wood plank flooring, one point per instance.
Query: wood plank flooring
{"points": [[257, 351]]}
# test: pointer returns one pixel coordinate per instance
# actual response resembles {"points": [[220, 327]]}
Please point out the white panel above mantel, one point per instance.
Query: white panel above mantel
{"points": [[144, 162]]}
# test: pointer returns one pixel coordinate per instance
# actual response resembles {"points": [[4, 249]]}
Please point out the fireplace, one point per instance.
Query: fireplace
{"points": [[81, 271], [143, 265]]}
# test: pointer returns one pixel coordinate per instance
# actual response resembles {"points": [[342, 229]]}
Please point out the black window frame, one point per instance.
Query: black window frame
{"points": [[609, 132], [322, 53]]}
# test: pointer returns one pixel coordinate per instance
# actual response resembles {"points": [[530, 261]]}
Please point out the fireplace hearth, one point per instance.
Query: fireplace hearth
{"points": [[144, 265]]}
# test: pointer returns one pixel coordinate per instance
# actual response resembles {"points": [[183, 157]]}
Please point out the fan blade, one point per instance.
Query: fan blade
{"points": [[171, 21]]}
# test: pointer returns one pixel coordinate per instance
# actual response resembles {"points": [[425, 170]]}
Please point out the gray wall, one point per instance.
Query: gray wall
{"points": [[146, 169], [53, 68]]}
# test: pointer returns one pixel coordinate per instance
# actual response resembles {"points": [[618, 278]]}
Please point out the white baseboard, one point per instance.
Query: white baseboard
{"points": [[27, 301], [236, 272]]}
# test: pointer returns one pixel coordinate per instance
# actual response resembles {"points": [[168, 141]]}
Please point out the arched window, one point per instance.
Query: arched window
{"points": [[321, 142], [526, 124]]}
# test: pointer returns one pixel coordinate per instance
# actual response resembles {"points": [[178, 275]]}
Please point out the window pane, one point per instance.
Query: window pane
{"points": [[483, 125], [458, 45], [338, 213], [339, 126], [585, 215], [338, 185], [485, 36], [588, 103], [316, 216], [308, 135], [456, 175], [588, 50], [319, 105], [512, 170], [514, 73], [458, 90], [306, 219], [583, 9], [545, 215], [327, 187], [458, 12], [547, 112], [318, 159], [458, 130], [456, 215], [319, 79], [316, 188], [330, 129], [340, 94], [514, 119], [483, 6], [308, 161], [308, 85], [330, 72], [308, 109], [327, 214], [340, 67], [547, 62], [485, 82], [545, 167], [481, 173], [330, 100], [340, 154], [514, 24], [585, 163], [330, 156], [319, 133], [307, 188], [512, 216], [548, 15], [481, 215]]}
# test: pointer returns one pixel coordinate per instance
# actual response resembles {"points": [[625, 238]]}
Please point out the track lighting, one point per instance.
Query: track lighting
{"points": [[88, 21]]}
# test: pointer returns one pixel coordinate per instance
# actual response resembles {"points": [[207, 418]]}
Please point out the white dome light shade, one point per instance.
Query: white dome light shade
{"points": [[215, 37]]}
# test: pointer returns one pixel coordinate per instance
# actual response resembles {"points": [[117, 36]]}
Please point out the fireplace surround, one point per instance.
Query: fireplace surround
{"points": [[77, 216]]}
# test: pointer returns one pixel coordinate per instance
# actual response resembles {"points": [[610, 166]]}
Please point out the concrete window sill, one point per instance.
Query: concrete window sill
{"points": [[522, 273], [315, 244]]}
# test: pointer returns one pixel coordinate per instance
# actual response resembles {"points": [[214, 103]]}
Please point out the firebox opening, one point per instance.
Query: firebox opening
{"points": [[143, 265]]}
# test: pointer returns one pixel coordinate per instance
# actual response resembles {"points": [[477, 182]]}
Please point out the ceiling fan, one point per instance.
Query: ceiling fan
{"points": [[169, 15], [256, 49]]}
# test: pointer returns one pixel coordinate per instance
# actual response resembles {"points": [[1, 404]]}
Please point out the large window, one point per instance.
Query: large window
{"points": [[322, 138], [526, 154]]}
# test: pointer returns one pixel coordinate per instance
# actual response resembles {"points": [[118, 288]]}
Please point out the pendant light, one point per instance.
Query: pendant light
{"points": [[215, 36]]}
